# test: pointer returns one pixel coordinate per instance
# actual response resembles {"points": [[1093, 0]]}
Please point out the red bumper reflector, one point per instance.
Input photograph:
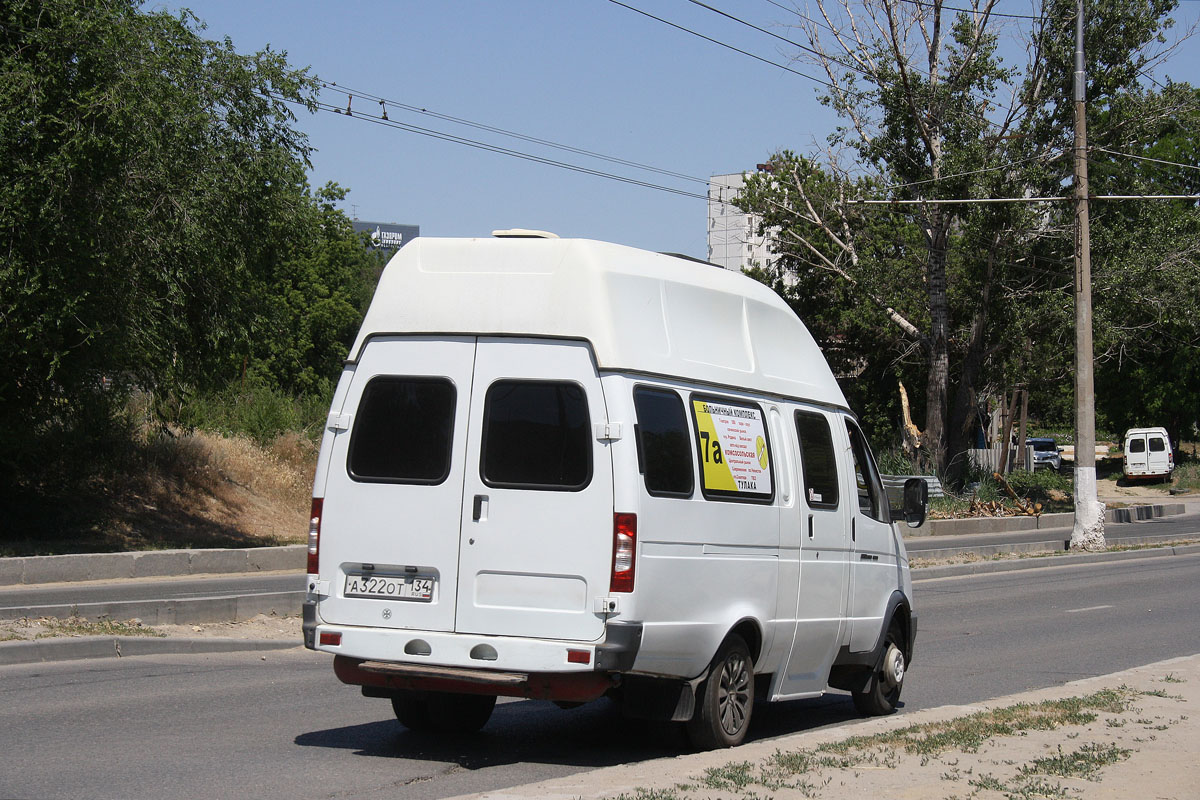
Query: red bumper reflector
{"points": [[579, 657], [332, 638]]}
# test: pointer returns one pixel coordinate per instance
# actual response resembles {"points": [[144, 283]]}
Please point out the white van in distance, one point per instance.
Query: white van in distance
{"points": [[565, 469], [1148, 453]]}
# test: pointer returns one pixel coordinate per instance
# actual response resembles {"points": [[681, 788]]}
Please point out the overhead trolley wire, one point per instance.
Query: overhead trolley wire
{"points": [[385, 102], [479, 145]]}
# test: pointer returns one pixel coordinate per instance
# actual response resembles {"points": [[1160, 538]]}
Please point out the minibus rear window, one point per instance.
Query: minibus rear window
{"points": [[1137, 445], [818, 459], [1157, 445], [663, 442], [403, 431], [536, 435]]}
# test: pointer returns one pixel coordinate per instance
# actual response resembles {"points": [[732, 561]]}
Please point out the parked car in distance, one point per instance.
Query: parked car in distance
{"points": [[1045, 452]]}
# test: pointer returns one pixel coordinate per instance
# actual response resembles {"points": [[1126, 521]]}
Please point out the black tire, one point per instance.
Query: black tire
{"points": [[459, 713], [882, 692], [412, 709], [726, 699]]}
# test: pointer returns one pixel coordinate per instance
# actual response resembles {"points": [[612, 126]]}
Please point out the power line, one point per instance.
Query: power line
{"points": [[971, 10], [797, 45], [1146, 158], [384, 102], [723, 44], [826, 56], [1038, 157], [473, 143], [1001, 200]]}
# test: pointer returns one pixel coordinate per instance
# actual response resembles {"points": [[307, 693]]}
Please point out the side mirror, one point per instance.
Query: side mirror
{"points": [[916, 497]]}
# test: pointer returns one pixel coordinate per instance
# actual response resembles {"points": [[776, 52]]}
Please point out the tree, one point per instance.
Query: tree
{"points": [[313, 297], [974, 294], [153, 208]]}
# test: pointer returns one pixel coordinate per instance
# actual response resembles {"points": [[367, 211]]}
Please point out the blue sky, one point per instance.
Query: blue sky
{"points": [[584, 73]]}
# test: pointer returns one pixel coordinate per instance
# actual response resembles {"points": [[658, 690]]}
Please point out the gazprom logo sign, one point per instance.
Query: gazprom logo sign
{"points": [[386, 235]]}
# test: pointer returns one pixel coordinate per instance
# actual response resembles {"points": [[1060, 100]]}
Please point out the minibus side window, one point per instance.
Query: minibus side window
{"points": [[403, 431], [871, 499], [818, 460], [536, 435], [664, 449]]}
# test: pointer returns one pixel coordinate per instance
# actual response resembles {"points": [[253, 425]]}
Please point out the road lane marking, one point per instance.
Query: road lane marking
{"points": [[1089, 608]]}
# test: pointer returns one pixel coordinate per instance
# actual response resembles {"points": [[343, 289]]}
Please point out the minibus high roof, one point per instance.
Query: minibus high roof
{"points": [[641, 311]]}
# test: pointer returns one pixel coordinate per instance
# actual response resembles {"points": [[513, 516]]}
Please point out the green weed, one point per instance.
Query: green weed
{"points": [[1086, 762]]}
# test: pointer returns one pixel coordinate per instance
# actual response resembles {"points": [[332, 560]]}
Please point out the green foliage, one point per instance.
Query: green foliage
{"points": [[257, 410], [1038, 484], [160, 236], [140, 168], [313, 297], [967, 301]]}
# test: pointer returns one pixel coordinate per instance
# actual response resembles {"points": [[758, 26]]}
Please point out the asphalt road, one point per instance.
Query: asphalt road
{"points": [[281, 726], [18, 601]]}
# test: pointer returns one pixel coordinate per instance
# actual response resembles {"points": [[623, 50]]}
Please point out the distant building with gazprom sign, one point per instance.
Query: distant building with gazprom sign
{"points": [[387, 235]]}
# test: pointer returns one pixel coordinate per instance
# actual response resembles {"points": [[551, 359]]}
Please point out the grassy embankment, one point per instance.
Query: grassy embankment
{"points": [[235, 472]]}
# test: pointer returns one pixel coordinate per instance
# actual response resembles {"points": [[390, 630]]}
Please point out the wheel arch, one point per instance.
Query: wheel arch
{"points": [[850, 669], [751, 632]]}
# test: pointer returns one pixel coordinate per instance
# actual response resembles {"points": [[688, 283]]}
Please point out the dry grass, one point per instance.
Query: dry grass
{"points": [[179, 490]]}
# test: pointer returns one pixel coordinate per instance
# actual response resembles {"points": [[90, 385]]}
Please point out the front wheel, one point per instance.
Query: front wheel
{"points": [[882, 693], [726, 699]]}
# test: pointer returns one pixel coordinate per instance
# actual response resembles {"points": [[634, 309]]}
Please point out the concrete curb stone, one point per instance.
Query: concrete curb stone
{"points": [[1066, 560], [959, 527], [25, 570], [72, 648]]}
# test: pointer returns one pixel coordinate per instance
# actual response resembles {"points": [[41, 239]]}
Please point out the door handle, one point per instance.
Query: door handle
{"points": [[810, 526], [477, 512]]}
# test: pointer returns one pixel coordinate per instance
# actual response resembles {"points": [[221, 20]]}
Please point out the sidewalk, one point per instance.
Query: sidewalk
{"points": [[1143, 741]]}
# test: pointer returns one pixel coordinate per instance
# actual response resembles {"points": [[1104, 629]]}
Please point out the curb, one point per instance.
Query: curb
{"points": [[23, 570], [230, 608], [1065, 560], [1117, 516], [73, 648], [30, 570]]}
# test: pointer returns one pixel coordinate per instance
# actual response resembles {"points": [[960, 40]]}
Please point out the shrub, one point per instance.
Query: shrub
{"points": [[255, 410]]}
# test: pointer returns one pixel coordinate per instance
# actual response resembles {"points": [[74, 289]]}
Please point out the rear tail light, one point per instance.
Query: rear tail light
{"points": [[314, 536], [624, 552]]}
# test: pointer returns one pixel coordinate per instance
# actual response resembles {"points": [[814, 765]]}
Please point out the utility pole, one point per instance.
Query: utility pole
{"points": [[1088, 533]]}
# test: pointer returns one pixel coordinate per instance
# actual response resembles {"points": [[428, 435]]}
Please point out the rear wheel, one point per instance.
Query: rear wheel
{"points": [[882, 692], [726, 699], [412, 709], [443, 712], [460, 713]]}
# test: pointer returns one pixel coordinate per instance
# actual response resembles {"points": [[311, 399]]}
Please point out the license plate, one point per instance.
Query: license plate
{"points": [[391, 587]]}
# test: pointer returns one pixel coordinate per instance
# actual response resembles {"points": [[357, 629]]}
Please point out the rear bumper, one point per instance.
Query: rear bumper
{"points": [[385, 677], [445, 661]]}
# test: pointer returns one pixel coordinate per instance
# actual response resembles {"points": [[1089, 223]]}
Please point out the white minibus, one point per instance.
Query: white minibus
{"points": [[567, 470]]}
